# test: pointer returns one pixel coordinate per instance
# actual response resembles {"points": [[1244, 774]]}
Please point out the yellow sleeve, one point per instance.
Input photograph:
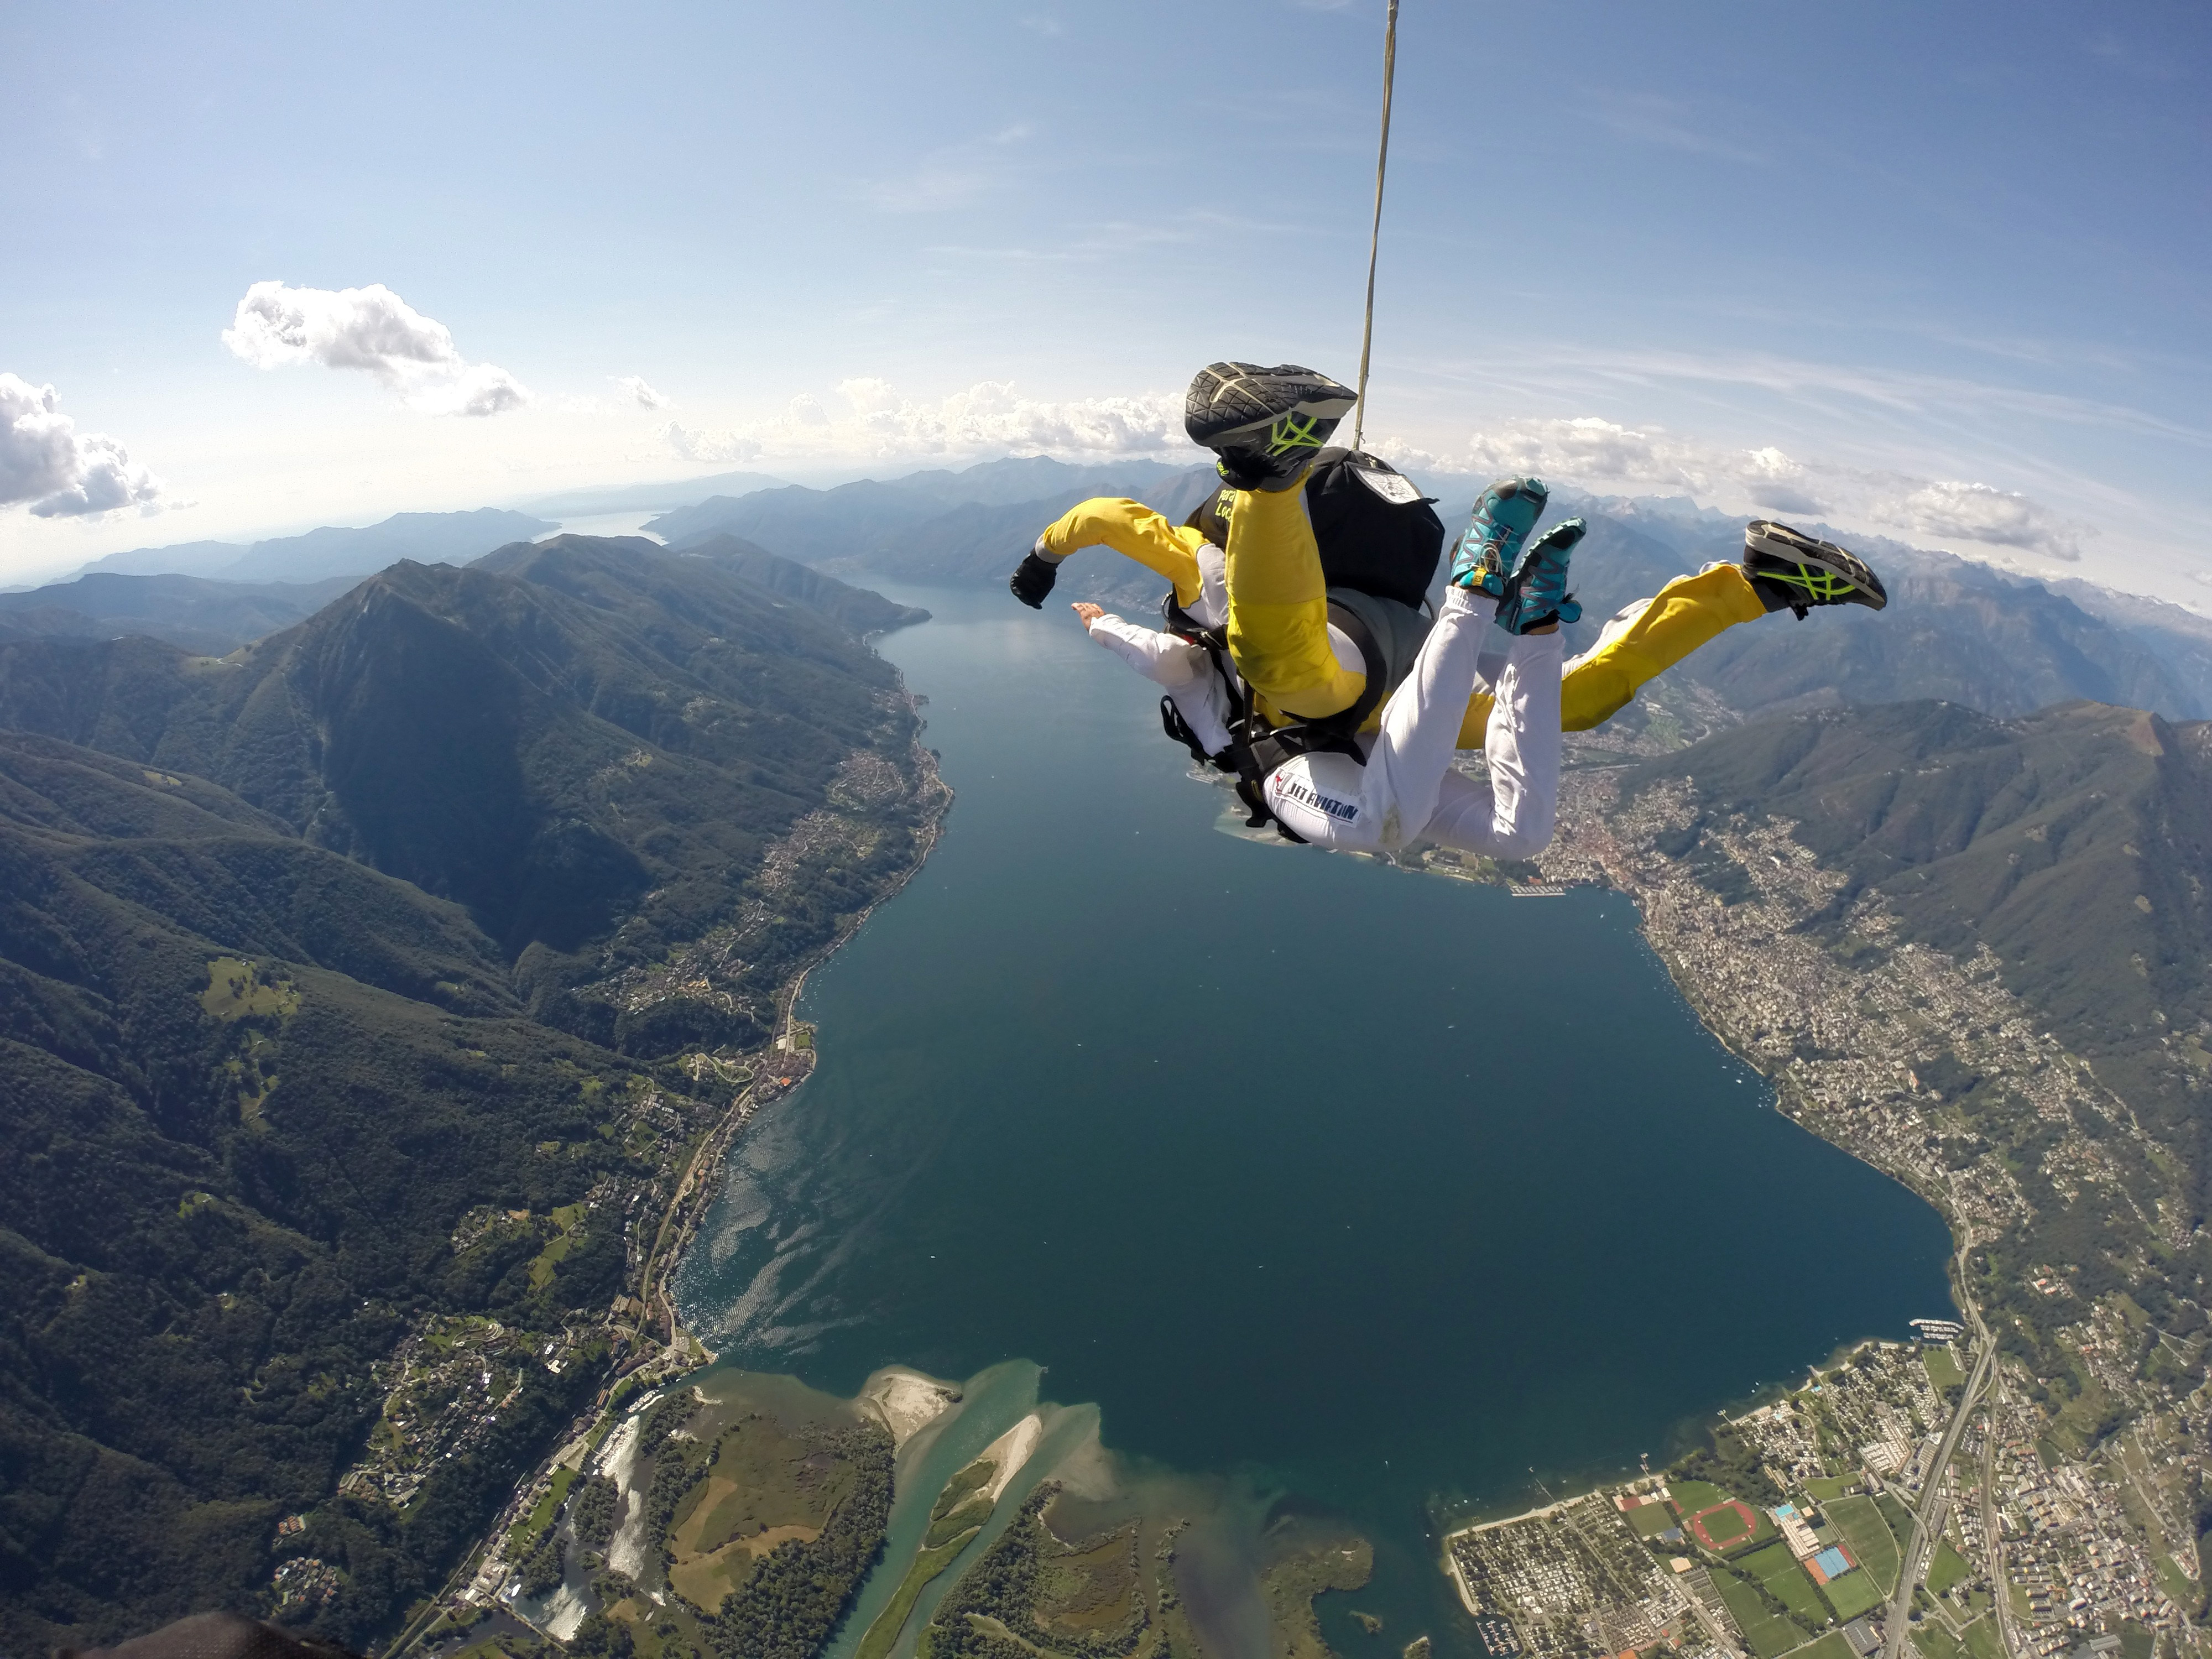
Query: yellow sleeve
{"points": [[1133, 530], [1279, 607]]}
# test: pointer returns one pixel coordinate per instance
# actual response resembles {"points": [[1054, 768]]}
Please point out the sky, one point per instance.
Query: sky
{"points": [[1936, 271]]}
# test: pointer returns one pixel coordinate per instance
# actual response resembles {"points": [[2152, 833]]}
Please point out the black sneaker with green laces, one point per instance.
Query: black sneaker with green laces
{"points": [[1789, 569], [1267, 424]]}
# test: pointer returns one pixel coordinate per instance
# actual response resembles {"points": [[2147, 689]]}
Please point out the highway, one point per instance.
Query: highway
{"points": [[1927, 1519]]}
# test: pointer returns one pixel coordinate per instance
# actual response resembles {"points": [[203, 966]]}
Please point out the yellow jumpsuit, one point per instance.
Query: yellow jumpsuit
{"points": [[1278, 609]]}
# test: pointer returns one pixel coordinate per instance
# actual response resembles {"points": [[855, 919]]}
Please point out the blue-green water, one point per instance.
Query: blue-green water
{"points": [[1375, 1189]]}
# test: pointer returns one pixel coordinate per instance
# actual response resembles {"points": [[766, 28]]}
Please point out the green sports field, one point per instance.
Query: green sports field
{"points": [[1764, 1564], [1691, 1496], [1869, 1539], [1777, 1569], [1725, 1526], [1768, 1637], [1942, 1368], [1855, 1592], [1821, 1489], [1649, 1520]]}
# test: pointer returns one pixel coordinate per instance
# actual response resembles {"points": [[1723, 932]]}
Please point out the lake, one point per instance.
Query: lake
{"points": [[1391, 1193]]}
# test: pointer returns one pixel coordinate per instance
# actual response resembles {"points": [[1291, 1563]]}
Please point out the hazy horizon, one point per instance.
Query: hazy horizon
{"points": [[1935, 275]]}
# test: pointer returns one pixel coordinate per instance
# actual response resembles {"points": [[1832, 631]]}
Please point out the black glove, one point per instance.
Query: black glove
{"points": [[1033, 579]]}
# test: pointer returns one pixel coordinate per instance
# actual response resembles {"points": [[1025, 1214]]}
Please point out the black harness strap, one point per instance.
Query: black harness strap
{"points": [[1256, 747]]}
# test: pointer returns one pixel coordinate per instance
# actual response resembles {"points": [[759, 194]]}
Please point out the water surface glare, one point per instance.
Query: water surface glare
{"points": [[1378, 1188]]}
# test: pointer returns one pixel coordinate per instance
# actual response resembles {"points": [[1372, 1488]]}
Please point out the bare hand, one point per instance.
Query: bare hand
{"points": [[1087, 612]]}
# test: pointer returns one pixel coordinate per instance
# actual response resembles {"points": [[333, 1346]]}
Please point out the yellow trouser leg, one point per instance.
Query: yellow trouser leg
{"points": [[1279, 608], [1135, 531], [1686, 613]]}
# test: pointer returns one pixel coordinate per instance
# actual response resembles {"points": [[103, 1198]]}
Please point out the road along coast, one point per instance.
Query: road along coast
{"points": [[641, 1336]]}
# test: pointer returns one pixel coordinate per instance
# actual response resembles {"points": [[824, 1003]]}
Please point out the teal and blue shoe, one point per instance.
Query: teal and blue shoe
{"points": [[1536, 594], [1490, 546]]}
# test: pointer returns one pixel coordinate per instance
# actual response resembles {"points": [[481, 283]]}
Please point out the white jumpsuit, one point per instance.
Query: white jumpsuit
{"points": [[1407, 790]]}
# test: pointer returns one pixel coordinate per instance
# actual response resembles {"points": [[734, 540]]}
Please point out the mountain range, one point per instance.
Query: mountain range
{"points": [[372, 950], [1954, 628], [2076, 842], [320, 555], [211, 618], [403, 915], [972, 525]]}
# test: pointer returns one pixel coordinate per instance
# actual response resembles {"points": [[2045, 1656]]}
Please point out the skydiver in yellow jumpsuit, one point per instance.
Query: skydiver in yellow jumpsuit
{"points": [[1268, 425]]}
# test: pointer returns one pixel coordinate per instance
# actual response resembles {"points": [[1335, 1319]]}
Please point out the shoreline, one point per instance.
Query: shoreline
{"points": [[686, 1209], [680, 1354]]}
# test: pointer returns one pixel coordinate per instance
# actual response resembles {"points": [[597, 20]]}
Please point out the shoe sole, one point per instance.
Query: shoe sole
{"points": [[1562, 538], [1779, 541], [1505, 490], [1235, 409]]}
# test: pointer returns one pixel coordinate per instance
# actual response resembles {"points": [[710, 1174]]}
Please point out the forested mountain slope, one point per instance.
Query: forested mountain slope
{"points": [[544, 744], [343, 988], [857, 609], [1978, 953], [2076, 843], [1954, 629]]}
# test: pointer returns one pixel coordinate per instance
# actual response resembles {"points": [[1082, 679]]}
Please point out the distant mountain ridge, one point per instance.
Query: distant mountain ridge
{"points": [[964, 527], [1954, 628], [332, 550], [210, 618]]}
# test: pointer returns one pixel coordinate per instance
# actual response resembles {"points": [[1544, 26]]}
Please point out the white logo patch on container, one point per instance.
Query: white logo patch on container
{"points": [[1395, 487]]}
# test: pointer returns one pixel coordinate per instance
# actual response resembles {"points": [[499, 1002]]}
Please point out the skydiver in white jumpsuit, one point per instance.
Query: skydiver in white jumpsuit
{"points": [[1407, 790]]}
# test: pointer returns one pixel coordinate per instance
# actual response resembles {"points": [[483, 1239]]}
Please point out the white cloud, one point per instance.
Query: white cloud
{"points": [[1981, 512], [1602, 455], [59, 471], [635, 391], [1599, 453], [374, 330], [879, 424], [693, 444]]}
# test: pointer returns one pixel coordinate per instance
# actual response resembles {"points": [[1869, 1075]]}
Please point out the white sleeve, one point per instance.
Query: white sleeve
{"points": [[1160, 657]]}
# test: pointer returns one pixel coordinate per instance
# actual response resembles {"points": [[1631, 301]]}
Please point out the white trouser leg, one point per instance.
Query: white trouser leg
{"points": [[1511, 817], [1333, 800]]}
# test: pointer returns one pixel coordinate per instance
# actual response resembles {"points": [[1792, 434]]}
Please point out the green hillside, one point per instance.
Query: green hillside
{"points": [[2075, 845], [341, 982]]}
